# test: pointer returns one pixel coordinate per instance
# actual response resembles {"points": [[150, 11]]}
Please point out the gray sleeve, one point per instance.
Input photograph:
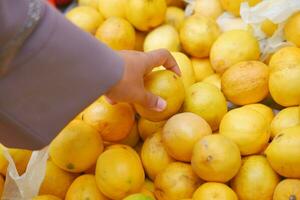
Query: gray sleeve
{"points": [[57, 73]]}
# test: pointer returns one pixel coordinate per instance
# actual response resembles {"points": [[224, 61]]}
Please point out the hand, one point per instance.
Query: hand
{"points": [[131, 86]]}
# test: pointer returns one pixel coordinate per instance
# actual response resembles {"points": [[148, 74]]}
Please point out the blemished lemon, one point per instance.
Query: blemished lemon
{"points": [[181, 132], [202, 68], [247, 128], [175, 17], [283, 153], [117, 33], [145, 15], [208, 8], [77, 147], [206, 101], [286, 118], [227, 51], [119, 172], [162, 37], [216, 158], [186, 69], [177, 181], [287, 189], [292, 29], [233, 6], [86, 18], [246, 82], [198, 34], [255, 180], [168, 86], [154, 156], [147, 128], [112, 8], [84, 187], [56, 181], [214, 191]]}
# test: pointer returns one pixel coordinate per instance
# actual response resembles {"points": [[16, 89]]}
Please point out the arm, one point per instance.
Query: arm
{"points": [[57, 72]]}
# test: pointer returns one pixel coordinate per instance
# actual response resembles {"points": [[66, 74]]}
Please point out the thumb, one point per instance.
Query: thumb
{"points": [[153, 102]]}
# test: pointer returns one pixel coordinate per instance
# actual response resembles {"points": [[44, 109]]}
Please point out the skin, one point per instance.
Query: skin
{"points": [[131, 86]]}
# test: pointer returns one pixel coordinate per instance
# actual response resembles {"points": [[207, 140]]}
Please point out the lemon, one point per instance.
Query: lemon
{"points": [[86, 18], [292, 29], [162, 37], [255, 180], [216, 158], [233, 6], [198, 34], [144, 14], [77, 147], [214, 79], [287, 189], [91, 3], [133, 138], [206, 101], [147, 128], [202, 68], [283, 153], [214, 191], [208, 8], [46, 197], [268, 27], [117, 33], [227, 50], [266, 111], [246, 82], [112, 8], [84, 187], [175, 17], [286, 118], [247, 128]]}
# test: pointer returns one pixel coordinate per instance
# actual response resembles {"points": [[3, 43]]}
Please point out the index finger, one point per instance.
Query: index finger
{"points": [[162, 57]]}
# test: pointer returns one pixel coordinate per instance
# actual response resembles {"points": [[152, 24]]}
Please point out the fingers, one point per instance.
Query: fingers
{"points": [[152, 102], [162, 57]]}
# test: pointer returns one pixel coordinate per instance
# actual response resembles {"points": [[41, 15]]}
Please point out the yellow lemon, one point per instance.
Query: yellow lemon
{"points": [[181, 132], [77, 147], [186, 68], [247, 128], [20, 157], [246, 82], [198, 34], [170, 41], [268, 27], [286, 118], [202, 68], [285, 58], [147, 128], [216, 158], [168, 86], [117, 33], [133, 138], [91, 3], [255, 180], [227, 50], [112, 8], [208, 8], [84, 187], [283, 153], [86, 18], [46, 197], [154, 156], [206, 101], [292, 29], [214, 79], [56, 181], [113, 122], [145, 15], [287, 189], [175, 17], [119, 172], [266, 111], [214, 191], [176, 182], [233, 6]]}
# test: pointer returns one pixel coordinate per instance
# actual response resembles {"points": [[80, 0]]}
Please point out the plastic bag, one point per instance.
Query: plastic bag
{"points": [[26, 186]]}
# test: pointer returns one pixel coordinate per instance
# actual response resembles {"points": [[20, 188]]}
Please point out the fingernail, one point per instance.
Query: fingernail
{"points": [[161, 104]]}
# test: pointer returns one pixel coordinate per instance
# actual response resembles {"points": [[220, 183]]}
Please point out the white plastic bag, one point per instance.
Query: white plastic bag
{"points": [[27, 186]]}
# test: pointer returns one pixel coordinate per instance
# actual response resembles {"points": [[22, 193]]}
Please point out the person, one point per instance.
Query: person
{"points": [[50, 71]]}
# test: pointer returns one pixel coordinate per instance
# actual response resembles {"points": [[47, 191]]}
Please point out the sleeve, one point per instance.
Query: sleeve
{"points": [[57, 73]]}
